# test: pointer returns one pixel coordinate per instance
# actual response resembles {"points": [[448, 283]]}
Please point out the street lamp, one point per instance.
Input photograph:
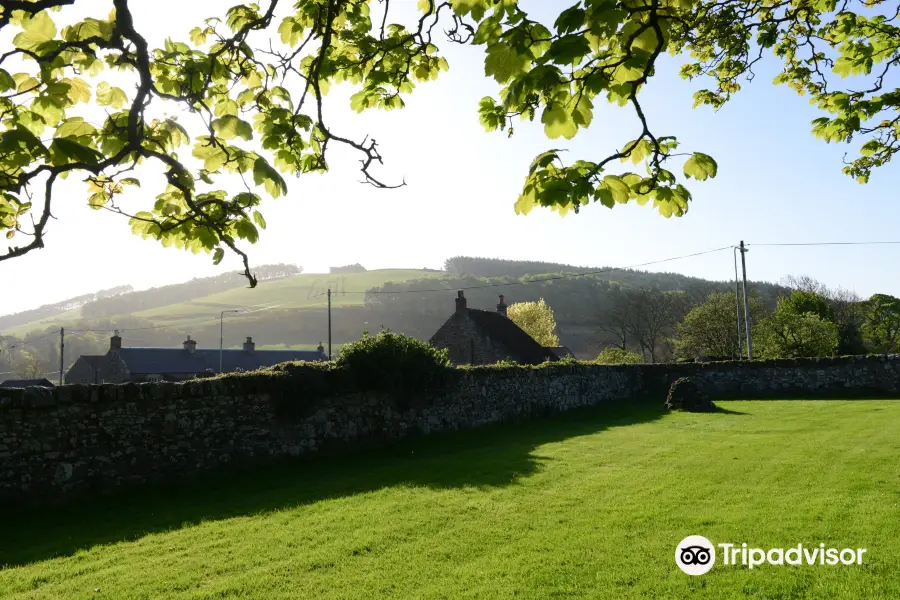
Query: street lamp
{"points": [[222, 331]]}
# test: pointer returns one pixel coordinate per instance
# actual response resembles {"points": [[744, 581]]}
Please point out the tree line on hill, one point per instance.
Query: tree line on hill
{"points": [[51, 310]]}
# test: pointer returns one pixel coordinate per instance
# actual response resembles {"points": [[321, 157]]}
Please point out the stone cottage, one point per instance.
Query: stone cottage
{"points": [[121, 365], [481, 337]]}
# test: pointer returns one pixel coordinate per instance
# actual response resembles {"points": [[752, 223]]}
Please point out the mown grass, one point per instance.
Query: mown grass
{"points": [[586, 505]]}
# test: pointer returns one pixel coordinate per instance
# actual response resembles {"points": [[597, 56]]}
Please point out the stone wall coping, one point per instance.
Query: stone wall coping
{"points": [[241, 383]]}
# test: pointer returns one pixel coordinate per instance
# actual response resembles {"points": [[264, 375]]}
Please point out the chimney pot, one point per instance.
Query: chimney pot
{"points": [[115, 342], [190, 345], [249, 346], [460, 302], [501, 307]]}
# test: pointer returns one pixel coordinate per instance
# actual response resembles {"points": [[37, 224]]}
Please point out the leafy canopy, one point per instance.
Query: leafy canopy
{"points": [[710, 329], [881, 323], [618, 356], [253, 83], [787, 334], [537, 320]]}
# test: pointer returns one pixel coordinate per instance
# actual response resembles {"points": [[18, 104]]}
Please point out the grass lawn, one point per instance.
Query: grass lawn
{"points": [[586, 505]]}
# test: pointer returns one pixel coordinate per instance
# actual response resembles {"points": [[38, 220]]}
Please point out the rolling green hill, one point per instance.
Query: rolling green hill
{"points": [[304, 291]]}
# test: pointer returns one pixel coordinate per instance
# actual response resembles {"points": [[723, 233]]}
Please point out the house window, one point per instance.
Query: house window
{"points": [[154, 378]]}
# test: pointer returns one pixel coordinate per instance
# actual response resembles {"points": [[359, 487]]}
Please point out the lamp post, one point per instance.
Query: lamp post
{"points": [[222, 331]]}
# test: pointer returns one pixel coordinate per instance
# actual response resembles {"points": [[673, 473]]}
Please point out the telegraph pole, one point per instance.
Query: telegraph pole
{"points": [[746, 310], [62, 349], [737, 306], [329, 324]]}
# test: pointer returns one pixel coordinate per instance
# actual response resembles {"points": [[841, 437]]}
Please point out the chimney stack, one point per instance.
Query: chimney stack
{"points": [[460, 302], [190, 345], [115, 342], [320, 348], [249, 346], [501, 308]]}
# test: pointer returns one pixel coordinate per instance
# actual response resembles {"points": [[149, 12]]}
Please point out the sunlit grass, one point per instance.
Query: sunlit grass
{"points": [[586, 505]]}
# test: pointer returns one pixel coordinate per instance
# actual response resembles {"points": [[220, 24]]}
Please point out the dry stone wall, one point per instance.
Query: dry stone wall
{"points": [[71, 439]]}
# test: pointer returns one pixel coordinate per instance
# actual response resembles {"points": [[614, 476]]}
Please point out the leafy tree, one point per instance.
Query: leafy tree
{"points": [[254, 84], [537, 320], [803, 301], [881, 323], [618, 356], [844, 309], [29, 366], [392, 362], [787, 334], [710, 329]]}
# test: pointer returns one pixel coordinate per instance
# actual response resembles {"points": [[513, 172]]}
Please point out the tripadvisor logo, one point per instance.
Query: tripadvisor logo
{"points": [[696, 555]]}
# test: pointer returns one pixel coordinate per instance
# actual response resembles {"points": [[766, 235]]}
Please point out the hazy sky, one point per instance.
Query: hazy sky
{"points": [[776, 184]]}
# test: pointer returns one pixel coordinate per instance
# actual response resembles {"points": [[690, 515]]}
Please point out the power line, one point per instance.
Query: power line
{"points": [[828, 244], [31, 341]]}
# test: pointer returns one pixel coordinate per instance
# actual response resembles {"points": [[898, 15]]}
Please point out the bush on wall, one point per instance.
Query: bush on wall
{"points": [[393, 362], [617, 356]]}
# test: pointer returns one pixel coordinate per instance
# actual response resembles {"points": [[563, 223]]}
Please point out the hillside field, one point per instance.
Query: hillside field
{"points": [[590, 504], [304, 291]]}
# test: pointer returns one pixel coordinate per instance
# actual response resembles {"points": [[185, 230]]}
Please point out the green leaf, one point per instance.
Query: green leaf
{"points": [[264, 174], [558, 122], [228, 127], [213, 157], [700, 166], [542, 160], [620, 191], [568, 49], [258, 219], [79, 90], [6, 81], [75, 127], [65, 151], [504, 62], [218, 255], [246, 230], [36, 31], [291, 31], [110, 96]]}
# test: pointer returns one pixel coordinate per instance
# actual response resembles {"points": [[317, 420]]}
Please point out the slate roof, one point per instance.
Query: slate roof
{"points": [[23, 383], [178, 360], [502, 330], [560, 351], [96, 361]]}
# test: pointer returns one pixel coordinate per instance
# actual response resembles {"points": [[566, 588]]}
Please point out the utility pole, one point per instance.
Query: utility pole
{"points": [[746, 310], [62, 349], [737, 306], [329, 324]]}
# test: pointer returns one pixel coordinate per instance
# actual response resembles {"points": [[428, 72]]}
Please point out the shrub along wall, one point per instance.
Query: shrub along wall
{"points": [[94, 438]]}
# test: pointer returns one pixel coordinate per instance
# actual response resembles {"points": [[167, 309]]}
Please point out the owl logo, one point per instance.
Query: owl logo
{"points": [[695, 555]]}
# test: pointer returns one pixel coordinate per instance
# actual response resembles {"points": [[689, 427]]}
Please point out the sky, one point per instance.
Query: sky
{"points": [[776, 184]]}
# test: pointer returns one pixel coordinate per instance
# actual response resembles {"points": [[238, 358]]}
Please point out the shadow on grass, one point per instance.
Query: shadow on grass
{"points": [[725, 411], [496, 455]]}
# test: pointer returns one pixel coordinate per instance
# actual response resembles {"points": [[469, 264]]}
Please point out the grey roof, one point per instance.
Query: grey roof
{"points": [[96, 361], [501, 329], [23, 383], [178, 360], [561, 351]]}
